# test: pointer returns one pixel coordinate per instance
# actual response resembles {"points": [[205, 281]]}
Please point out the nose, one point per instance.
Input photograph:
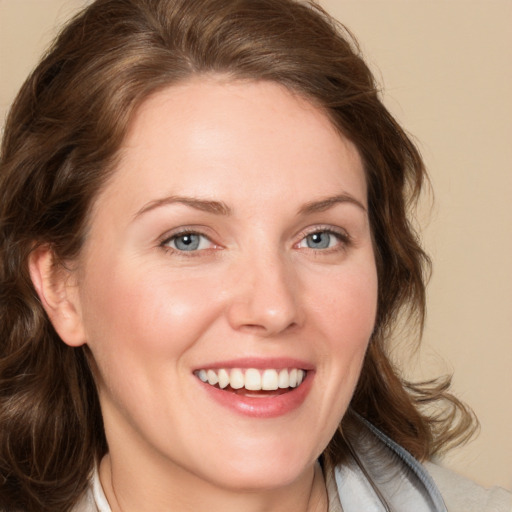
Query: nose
{"points": [[265, 298]]}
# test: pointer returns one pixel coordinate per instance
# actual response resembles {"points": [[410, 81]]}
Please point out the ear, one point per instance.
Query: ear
{"points": [[58, 292]]}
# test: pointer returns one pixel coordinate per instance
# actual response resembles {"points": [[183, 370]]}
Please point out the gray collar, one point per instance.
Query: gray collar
{"points": [[380, 476]]}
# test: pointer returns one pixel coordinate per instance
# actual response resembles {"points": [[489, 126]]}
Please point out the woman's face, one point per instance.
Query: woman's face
{"points": [[231, 244]]}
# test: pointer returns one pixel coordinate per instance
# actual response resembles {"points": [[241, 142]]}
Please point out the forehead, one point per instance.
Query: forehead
{"points": [[210, 136]]}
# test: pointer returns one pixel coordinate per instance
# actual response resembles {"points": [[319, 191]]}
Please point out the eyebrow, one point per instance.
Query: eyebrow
{"points": [[329, 202], [215, 207], [221, 208]]}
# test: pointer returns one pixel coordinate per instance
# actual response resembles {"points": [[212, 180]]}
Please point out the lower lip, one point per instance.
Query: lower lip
{"points": [[262, 406]]}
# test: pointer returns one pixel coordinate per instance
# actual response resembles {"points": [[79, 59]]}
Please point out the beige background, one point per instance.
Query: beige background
{"points": [[446, 70]]}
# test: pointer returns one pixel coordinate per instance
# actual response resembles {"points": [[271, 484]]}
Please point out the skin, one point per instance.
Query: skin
{"points": [[152, 314]]}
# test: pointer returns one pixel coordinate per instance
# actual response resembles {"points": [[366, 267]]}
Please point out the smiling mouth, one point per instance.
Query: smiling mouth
{"points": [[258, 382]]}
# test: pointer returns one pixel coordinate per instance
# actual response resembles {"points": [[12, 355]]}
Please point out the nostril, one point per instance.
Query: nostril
{"points": [[264, 329]]}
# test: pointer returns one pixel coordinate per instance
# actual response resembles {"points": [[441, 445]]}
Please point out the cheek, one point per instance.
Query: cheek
{"points": [[150, 315], [344, 311], [346, 314], [347, 304]]}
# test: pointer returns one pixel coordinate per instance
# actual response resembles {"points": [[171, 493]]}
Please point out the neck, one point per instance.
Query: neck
{"points": [[128, 491]]}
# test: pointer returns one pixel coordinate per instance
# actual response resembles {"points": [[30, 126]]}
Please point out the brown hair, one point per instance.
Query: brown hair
{"points": [[60, 145]]}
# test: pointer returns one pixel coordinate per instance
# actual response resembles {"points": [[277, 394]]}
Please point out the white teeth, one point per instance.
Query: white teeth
{"points": [[284, 380], [253, 379], [236, 379], [212, 377], [223, 378], [269, 380], [293, 378]]}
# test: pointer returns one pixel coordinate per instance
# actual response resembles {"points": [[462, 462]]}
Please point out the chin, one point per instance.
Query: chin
{"points": [[261, 477], [266, 466]]}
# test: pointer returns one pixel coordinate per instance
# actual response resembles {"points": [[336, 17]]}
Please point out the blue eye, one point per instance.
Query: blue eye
{"points": [[321, 240], [187, 242]]}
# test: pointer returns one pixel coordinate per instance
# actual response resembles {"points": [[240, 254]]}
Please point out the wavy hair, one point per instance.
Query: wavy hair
{"points": [[61, 142]]}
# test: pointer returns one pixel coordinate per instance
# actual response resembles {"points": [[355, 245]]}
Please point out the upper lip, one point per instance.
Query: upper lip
{"points": [[277, 363]]}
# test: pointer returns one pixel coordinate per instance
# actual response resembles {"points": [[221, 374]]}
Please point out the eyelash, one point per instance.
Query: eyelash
{"points": [[343, 237], [168, 239]]}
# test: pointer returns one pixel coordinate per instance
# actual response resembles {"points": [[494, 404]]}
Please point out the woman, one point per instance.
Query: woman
{"points": [[205, 246]]}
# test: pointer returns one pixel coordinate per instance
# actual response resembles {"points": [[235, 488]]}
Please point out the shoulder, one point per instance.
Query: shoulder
{"points": [[394, 480], [463, 495]]}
